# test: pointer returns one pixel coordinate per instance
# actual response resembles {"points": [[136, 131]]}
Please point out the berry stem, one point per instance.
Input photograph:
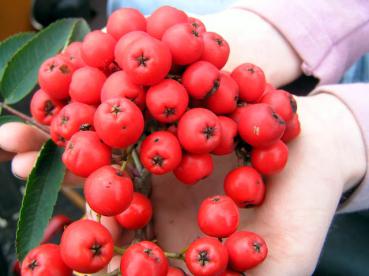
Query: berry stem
{"points": [[137, 161], [74, 197], [173, 255], [113, 273], [119, 250], [25, 118]]}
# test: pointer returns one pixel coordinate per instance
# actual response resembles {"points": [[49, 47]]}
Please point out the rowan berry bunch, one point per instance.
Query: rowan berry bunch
{"points": [[149, 96]]}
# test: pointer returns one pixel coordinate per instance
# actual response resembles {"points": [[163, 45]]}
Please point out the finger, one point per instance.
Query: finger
{"points": [[19, 137], [5, 155], [22, 164], [70, 179], [114, 263]]}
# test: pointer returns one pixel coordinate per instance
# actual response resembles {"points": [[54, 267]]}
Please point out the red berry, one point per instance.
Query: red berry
{"points": [[216, 49], [125, 41], [201, 79], [54, 77], [71, 118], [138, 214], [45, 260], [167, 101], [74, 53], [86, 85], [86, 246], [260, 126], [125, 20], [236, 115], [160, 152], [224, 99], [85, 153], [246, 250], [282, 102], [227, 140], [144, 258], [206, 257], [293, 129], [183, 53], [118, 85], [229, 272], [245, 186], [146, 61], [268, 88], [119, 122], [251, 80], [98, 49], [197, 24], [108, 191], [175, 271], [194, 167], [43, 108], [270, 160], [162, 19], [199, 131], [218, 216]]}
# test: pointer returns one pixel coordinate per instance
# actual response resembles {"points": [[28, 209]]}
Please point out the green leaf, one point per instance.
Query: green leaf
{"points": [[9, 47], [9, 118], [20, 74], [79, 32], [42, 189]]}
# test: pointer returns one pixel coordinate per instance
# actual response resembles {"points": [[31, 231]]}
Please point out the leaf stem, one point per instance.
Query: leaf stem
{"points": [[25, 117]]}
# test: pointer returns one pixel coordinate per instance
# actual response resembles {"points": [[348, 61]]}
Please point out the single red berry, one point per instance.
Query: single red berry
{"points": [[260, 126], [236, 114], [194, 167], [199, 131], [167, 101], [229, 272], [218, 216], [86, 85], [162, 19], [270, 160], [227, 140], [175, 271], [216, 49], [246, 250], [85, 153], [72, 118], [282, 102], [197, 24], [118, 85], [119, 122], [45, 260], [245, 186], [268, 88], [125, 20], [206, 257], [138, 214], [251, 80], [146, 61], [183, 53], [86, 246], [224, 99], [98, 49], [74, 54], [201, 79], [293, 129], [108, 191], [160, 152], [124, 42], [144, 258], [55, 75], [43, 108]]}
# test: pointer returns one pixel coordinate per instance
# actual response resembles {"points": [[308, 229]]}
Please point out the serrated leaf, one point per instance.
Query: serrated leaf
{"points": [[20, 74], [9, 118], [9, 47], [38, 202]]}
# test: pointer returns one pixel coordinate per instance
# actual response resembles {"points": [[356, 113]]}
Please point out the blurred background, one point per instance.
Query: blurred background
{"points": [[346, 250]]}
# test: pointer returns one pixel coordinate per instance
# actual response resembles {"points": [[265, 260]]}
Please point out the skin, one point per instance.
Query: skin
{"points": [[327, 159]]}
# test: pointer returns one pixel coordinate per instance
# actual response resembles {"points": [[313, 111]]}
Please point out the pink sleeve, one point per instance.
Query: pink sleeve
{"points": [[328, 35], [356, 98]]}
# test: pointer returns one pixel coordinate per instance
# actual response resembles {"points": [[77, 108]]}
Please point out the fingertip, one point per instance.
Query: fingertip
{"points": [[22, 164], [19, 137]]}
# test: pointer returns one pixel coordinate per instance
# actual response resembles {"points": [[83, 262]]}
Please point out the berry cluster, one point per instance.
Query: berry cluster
{"points": [[149, 96]]}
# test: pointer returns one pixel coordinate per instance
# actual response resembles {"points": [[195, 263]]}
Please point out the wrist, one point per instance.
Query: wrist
{"points": [[252, 39], [328, 118]]}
